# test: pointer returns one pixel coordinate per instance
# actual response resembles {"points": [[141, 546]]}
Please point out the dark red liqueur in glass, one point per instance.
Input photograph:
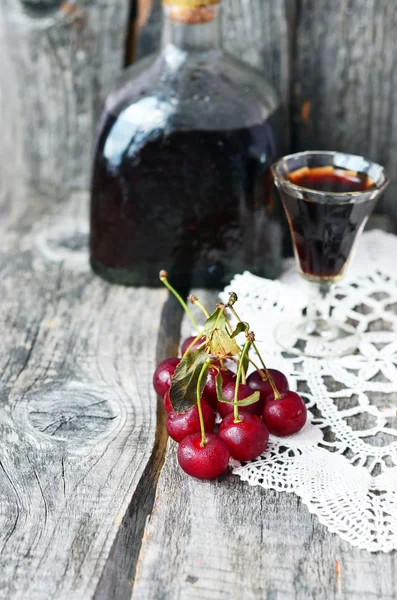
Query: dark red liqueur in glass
{"points": [[196, 203], [324, 231]]}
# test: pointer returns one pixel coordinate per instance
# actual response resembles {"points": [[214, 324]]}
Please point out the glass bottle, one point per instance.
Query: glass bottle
{"points": [[181, 177]]}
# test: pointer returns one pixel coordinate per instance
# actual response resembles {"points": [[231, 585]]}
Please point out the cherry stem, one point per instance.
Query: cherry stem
{"points": [[196, 301], [262, 376], [198, 336], [276, 393], [243, 373], [163, 279], [243, 376], [200, 412], [229, 329], [239, 371], [221, 312]]}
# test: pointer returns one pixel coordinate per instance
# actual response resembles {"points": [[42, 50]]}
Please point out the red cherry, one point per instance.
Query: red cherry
{"points": [[210, 386], [183, 424], [243, 392], [189, 341], [204, 463], [163, 375], [247, 439], [255, 382], [285, 416], [167, 402]]}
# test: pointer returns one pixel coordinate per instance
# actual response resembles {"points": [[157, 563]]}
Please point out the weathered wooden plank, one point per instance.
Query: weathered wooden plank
{"points": [[225, 540], [259, 33], [78, 421], [149, 36], [118, 576], [345, 81], [58, 61]]}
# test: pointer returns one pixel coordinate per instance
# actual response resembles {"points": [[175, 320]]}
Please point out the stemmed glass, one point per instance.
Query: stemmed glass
{"points": [[328, 197]]}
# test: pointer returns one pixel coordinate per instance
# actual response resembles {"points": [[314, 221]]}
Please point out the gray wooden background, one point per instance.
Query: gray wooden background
{"points": [[81, 440], [332, 62]]}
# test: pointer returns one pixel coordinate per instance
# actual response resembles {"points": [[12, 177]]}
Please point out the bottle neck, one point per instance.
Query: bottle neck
{"points": [[192, 30]]}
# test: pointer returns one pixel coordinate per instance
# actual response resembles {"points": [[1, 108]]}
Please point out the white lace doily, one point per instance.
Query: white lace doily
{"points": [[343, 464]]}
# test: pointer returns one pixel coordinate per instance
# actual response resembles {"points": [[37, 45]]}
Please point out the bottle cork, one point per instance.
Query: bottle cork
{"points": [[191, 12]]}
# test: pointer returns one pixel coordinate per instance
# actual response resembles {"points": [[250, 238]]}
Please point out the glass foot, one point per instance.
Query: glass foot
{"points": [[319, 339]]}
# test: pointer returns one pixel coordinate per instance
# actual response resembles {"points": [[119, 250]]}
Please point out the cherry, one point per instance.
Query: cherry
{"points": [[167, 402], [286, 415], [255, 382], [183, 424], [243, 392], [210, 386], [163, 375], [204, 463], [190, 341], [246, 439]]}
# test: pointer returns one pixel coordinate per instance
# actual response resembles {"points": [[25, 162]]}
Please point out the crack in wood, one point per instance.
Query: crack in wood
{"points": [[17, 505], [42, 495], [63, 475]]}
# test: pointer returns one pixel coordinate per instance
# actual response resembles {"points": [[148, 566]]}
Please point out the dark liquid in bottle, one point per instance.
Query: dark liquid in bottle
{"points": [[196, 203], [324, 233]]}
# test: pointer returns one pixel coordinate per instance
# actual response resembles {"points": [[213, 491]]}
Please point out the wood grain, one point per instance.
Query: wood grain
{"points": [[80, 442], [79, 455], [259, 33], [225, 540], [58, 61]]}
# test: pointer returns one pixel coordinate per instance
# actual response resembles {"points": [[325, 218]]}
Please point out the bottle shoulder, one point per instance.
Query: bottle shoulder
{"points": [[195, 91]]}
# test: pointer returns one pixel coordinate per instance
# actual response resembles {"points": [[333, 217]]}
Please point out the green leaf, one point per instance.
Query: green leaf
{"points": [[183, 390], [221, 345], [246, 402], [212, 322], [241, 326]]}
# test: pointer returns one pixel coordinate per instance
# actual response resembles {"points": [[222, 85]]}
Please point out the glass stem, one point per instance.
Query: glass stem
{"points": [[319, 309]]}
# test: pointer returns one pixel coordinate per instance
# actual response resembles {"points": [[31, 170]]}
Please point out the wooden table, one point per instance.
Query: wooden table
{"points": [[92, 502]]}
